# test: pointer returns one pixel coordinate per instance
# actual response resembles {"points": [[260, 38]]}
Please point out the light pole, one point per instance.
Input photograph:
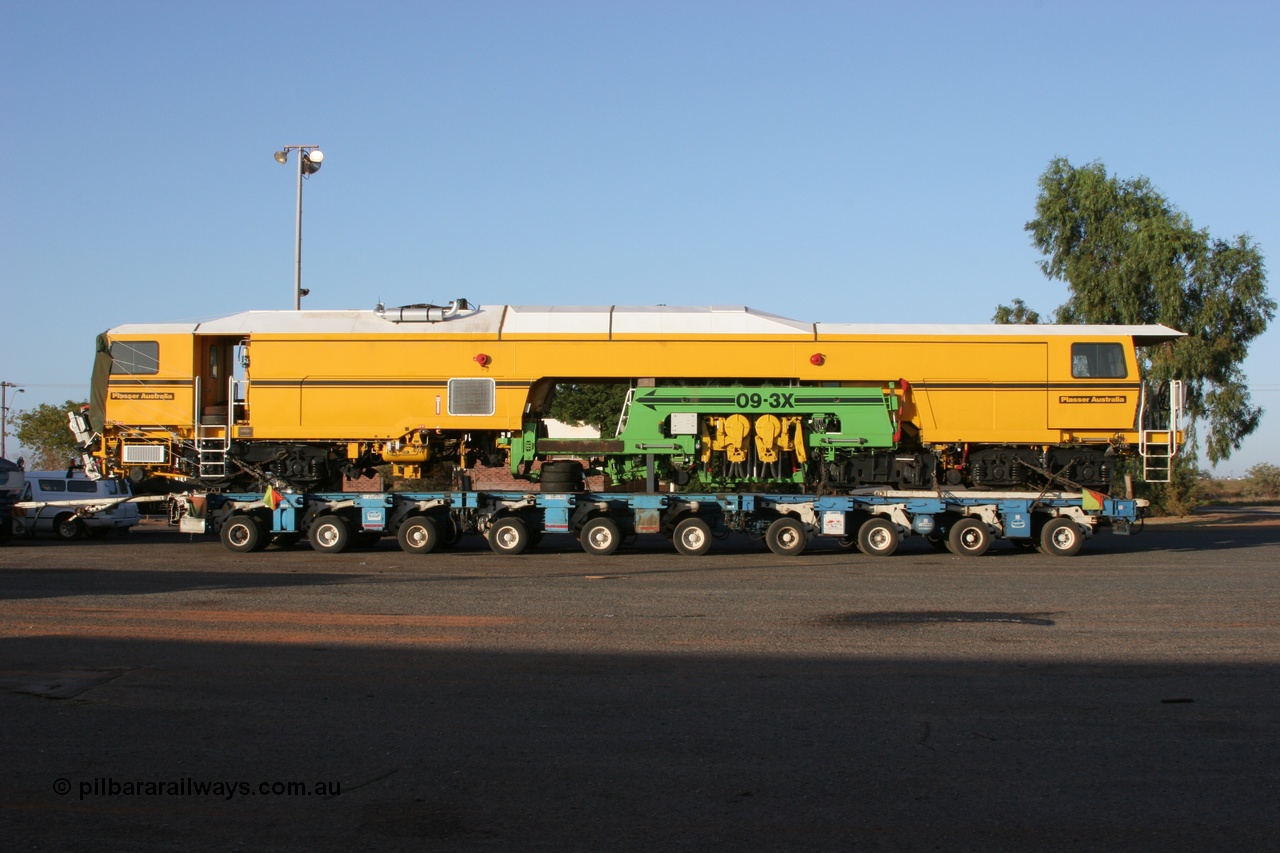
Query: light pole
{"points": [[4, 413], [309, 159]]}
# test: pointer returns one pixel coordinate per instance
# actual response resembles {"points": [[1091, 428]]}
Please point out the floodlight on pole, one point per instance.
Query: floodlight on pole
{"points": [[309, 159]]}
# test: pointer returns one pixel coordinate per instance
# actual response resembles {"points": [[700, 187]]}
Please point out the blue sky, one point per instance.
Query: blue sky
{"points": [[845, 162]]}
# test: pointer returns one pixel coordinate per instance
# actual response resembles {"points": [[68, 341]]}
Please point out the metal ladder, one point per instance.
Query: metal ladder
{"points": [[1159, 447], [211, 449]]}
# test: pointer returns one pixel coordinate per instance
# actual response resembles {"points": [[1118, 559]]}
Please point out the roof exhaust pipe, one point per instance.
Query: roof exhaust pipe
{"points": [[422, 313]]}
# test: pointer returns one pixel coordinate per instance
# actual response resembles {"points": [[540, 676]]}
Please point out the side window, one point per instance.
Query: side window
{"points": [[53, 485], [1098, 361], [131, 358], [85, 486]]}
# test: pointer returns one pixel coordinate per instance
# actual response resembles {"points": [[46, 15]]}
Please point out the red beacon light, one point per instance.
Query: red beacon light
{"points": [[482, 360], [817, 359]]}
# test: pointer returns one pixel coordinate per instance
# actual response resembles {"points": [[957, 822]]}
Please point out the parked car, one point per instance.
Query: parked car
{"points": [[62, 491]]}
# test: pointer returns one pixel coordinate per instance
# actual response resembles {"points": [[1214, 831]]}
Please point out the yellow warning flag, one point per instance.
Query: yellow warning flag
{"points": [[1093, 500]]}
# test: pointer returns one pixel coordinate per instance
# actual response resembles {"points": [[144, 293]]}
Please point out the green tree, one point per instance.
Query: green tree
{"points": [[1262, 481], [1127, 255], [1017, 314], [591, 404], [44, 433]]}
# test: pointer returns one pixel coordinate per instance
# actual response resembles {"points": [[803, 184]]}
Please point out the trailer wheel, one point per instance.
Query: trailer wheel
{"points": [[878, 537], [692, 537], [969, 537], [600, 536], [1061, 537], [449, 531], [330, 534], [509, 536], [786, 537], [68, 527], [418, 534], [243, 533]]}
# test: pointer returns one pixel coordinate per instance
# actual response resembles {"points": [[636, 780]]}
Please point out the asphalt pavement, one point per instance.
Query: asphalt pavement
{"points": [[159, 692]]}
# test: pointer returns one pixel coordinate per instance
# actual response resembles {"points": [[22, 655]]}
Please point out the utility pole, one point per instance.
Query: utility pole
{"points": [[4, 413]]}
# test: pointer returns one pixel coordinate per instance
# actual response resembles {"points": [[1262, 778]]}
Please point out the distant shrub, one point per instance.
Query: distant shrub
{"points": [[1262, 481]]}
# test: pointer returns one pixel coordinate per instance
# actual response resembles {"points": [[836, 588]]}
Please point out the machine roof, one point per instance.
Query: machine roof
{"points": [[609, 321]]}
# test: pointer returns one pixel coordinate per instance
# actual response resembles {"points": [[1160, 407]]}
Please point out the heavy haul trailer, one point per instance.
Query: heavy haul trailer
{"points": [[965, 522]]}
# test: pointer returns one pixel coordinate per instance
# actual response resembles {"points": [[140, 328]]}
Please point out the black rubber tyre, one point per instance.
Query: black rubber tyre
{"points": [[1061, 537], [561, 476], [969, 537], [786, 537], [243, 533], [509, 535], [67, 527], [449, 531], [600, 536], [878, 537], [692, 537], [330, 534], [418, 534]]}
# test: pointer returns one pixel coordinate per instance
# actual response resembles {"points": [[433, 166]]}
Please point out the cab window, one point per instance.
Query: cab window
{"points": [[1098, 361], [53, 485], [131, 358]]}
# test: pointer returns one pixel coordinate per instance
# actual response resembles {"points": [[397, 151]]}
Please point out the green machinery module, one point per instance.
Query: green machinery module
{"points": [[725, 436]]}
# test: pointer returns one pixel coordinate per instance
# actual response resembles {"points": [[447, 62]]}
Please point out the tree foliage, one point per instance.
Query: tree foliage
{"points": [[591, 404], [1128, 255], [1017, 314], [1262, 481], [44, 433]]}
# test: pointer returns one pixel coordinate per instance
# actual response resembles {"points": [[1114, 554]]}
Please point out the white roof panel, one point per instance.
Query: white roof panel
{"points": [[1144, 334], [709, 320], [557, 320]]}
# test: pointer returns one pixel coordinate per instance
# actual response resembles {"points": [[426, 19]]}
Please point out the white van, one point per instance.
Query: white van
{"points": [[62, 492]]}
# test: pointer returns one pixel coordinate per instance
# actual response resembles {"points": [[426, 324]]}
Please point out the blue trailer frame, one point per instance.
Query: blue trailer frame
{"points": [[874, 520]]}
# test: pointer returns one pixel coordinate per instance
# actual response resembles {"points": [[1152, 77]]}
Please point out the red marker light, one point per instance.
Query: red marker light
{"points": [[817, 359], [482, 360]]}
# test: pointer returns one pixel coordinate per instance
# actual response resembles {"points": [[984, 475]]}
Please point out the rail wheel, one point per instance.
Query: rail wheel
{"points": [[1061, 537], [786, 537], [418, 534], [969, 537], [243, 533], [878, 537], [600, 536], [692, 537], [330, 534], [509, 536]]}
